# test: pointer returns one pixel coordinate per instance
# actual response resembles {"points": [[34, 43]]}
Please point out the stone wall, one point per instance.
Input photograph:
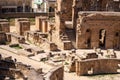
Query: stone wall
{"points": [[42, 23], [14, 2], [64, 9], [16, 39], [98, 29], [40, 39], [55, 74], [22, 25], [93, 5], [3, 38], [15, 5], [97, 66], [24, 15], [4, 25]]}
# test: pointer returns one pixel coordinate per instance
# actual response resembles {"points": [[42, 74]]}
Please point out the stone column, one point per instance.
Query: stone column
{"points": [[23, 7], [44, 26], [39, 22]]}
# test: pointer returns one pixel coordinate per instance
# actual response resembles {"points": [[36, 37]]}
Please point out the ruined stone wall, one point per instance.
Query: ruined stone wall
{"points": [[6, 67], [41, 23], [16, 39], [24, 15], [4, 25], [55, 74], [22, 25], [97, 66], [40, 39], [14, 2], [93, 5], [64, 8], [2, 38], [98, 30]]}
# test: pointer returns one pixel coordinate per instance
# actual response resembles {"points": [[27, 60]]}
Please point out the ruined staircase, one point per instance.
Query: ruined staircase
{"points": [[68, 39], [72, 37]]}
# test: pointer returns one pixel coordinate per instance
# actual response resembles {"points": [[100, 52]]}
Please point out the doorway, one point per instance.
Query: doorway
{"points": [[102, 38]]}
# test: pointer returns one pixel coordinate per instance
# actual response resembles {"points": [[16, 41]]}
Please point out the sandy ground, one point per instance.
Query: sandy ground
{"points": [[26, 60]]}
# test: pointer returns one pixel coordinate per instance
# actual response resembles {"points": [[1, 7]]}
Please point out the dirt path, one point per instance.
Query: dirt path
{"points": [[26, 60]]}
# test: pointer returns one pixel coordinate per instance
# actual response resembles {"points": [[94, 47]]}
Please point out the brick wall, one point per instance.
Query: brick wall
{"points": [[97, 66], [55, 74]]}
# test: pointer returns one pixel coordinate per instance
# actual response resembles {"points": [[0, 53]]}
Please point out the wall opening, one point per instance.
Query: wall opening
{"points": [[88, 38], [117, 40], [102, 38], [90, 71]]}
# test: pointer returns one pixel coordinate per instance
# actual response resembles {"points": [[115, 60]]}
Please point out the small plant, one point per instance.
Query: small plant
{"points": [[16, 46], [66, 63]]}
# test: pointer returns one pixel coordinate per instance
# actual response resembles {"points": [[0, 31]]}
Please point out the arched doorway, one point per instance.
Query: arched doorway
{"points": [[88, 38], [102, 38], [117, 40]]}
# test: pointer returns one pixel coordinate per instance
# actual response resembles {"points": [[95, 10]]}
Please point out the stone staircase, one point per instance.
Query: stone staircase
{"points": [[72, 36], [68, 39]]}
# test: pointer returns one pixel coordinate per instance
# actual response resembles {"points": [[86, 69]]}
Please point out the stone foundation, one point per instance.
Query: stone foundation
{"points": [[97, 66]]}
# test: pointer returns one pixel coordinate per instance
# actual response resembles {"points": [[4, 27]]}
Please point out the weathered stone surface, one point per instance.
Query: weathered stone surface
{"points": [[97, 66], [98, 29], [3, 38], [4, 25], [41, 23]]}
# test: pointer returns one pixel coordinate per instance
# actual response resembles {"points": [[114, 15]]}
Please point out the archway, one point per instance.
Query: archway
{"points": [[102, 38], [88, 38]]}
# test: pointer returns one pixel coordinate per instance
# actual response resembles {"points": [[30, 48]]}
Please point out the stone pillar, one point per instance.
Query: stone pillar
{"points": [[95, 38], [22, 25], [109, 40], [4, 25], [77, 67], [39, 22], [44, 26], [2, 38], [74, 13], [23, 7]]}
